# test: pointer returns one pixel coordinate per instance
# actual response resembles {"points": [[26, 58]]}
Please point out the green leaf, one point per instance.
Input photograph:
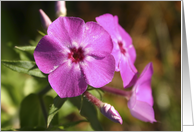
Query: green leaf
{"points": [[25, 52], [25, 56], [26, 48], [57, 104], [41, 33], [31, 114], [88, 110], [28, 67]]}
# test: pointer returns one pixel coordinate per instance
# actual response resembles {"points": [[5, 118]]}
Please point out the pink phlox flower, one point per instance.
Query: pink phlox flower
{"points": [[123, 49], [141, 101], [75, 54]]}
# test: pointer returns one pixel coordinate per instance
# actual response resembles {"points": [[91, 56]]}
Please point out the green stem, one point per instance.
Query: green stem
{"points": [[126, 94], [93, 99], [44, 111], [40, 95], [45, 90]]}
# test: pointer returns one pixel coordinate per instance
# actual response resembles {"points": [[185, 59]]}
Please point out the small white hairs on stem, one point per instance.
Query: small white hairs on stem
{"points": [[110, 112]]}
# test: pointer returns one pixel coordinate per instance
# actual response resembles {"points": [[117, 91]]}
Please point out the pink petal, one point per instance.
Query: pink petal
{"points": [[143, 85], [96, 40], [98, 71], [127, 71], [128, 43], [125, 36], [68, 30], [142, 111], [117, 55], [49, 54], [141, 101], [109, 23], [68, 80]]}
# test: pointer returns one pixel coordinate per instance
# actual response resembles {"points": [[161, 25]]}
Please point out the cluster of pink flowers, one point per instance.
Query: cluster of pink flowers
{"points": [[76, 54]]}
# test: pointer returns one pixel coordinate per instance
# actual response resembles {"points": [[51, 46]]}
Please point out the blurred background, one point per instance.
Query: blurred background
{"points": [[155, 28]]}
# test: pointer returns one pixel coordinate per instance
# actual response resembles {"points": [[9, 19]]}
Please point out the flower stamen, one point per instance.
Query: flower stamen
{"points": [[76, 55]]}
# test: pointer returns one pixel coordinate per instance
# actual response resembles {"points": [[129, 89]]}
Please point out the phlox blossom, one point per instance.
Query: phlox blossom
{"points": [[75, 54], [123, 50], [141, 101]]}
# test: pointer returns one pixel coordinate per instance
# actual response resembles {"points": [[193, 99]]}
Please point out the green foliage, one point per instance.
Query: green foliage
{"points": [[33, 112], [57, 104], [88, 110], [23, 54], [26, 48], [28, 67], [41, 33]]}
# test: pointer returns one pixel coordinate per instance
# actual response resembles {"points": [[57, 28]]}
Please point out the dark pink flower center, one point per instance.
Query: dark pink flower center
{"points": [[123, 51], [76, 55]]}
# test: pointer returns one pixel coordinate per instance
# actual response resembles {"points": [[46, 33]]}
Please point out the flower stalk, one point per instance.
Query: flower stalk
{"points": [[93, 99], [126, 94]]}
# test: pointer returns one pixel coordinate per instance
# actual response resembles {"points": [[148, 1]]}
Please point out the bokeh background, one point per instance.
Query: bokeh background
{"points": [[155, 28]]}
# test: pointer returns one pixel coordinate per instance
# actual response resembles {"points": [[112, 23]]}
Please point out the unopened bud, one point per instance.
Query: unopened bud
{"points": [[60, 8], [110, 112], [44, 19]]}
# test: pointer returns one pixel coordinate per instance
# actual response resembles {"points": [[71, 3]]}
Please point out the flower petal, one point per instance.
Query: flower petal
{"points": [[68, 30], [143, 85], [49, 54], [98, 71], [117, 55], [141, 101], [128, 72], [68, 80], [96, 40], [142, 111], [128, 43], [109, 23]]}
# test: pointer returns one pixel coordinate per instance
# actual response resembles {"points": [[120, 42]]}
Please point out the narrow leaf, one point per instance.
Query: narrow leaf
{"points": [[25, 52], [28, 67], [41, 33], [88, 110], [26, 48], [57, 104]]}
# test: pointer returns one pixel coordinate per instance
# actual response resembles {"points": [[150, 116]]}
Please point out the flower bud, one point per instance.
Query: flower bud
{"points": [[44, 19], [110, 112], [60, 8]]}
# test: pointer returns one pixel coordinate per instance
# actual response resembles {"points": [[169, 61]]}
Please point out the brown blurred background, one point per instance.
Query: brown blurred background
{"points": [[155, 28]]}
